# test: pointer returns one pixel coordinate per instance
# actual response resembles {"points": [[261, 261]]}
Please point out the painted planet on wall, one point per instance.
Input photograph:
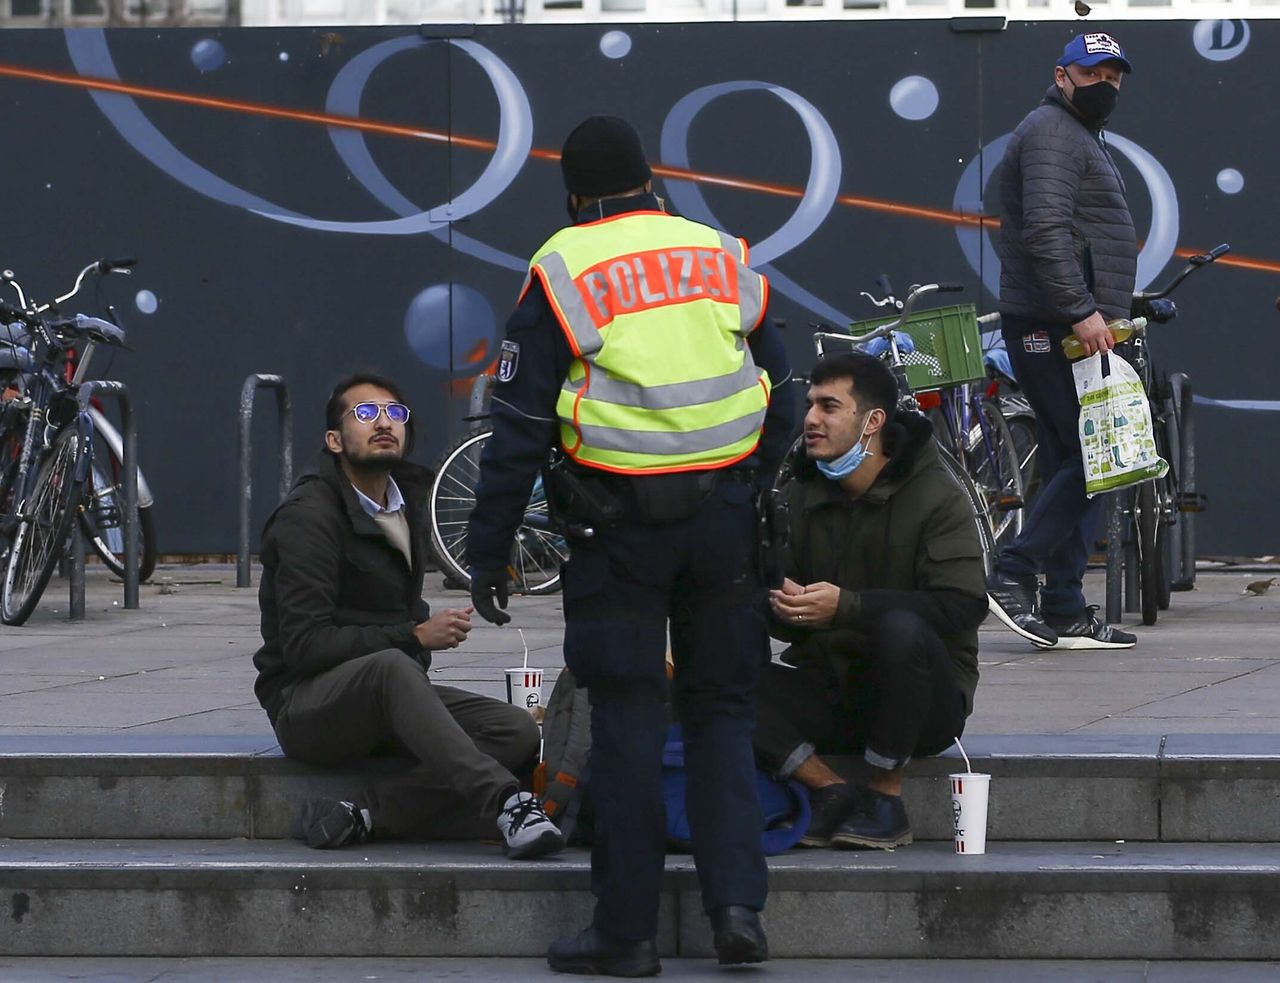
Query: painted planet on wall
{"points": [[452, 328]]}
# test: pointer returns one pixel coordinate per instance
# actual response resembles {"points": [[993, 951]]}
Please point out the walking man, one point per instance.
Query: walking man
{"points": [[1068, 258]]}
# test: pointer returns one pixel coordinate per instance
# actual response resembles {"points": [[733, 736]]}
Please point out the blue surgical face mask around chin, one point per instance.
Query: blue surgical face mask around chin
{"points": [[848, 462]]}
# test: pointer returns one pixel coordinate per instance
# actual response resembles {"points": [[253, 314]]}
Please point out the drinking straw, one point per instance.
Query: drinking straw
{"points": [[526, 648], [967, 767]]}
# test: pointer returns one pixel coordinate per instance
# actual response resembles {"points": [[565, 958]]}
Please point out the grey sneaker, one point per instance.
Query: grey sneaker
{"points": [[1014, 604], [1088, 631], [526, 828]]}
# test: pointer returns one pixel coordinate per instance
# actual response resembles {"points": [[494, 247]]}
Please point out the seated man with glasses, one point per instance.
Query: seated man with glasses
{"points": [[347, 642]]}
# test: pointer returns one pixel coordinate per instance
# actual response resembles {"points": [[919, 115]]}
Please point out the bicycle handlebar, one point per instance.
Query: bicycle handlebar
{"points": [[886, 330], [1204, 259], [101, 267]]}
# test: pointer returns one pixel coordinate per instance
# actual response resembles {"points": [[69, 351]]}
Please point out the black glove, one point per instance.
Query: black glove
{"points": [[485, 588]]}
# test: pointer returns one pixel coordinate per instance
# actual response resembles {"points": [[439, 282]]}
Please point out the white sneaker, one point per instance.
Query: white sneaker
{"points": [[526, 828]]}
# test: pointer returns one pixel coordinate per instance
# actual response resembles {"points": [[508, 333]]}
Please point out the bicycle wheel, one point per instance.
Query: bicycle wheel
{"points": [[1026, 440], [45, 518], [978, 504], [537, 552], [992, 459], [1150, 561], [102, 514]]}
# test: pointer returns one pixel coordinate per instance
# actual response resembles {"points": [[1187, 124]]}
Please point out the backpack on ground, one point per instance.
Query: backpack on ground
{"points": [[561, 780], [784, 804]]}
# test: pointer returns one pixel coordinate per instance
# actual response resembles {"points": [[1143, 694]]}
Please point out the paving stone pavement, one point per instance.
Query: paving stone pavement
{"points": [[182, 663]]}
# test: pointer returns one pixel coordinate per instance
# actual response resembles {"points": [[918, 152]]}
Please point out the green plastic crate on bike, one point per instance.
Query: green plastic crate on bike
{"points": [[948, 346]]}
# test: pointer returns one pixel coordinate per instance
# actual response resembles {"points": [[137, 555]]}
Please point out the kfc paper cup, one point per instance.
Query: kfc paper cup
{"points": [[524, 688], [969, 793]]}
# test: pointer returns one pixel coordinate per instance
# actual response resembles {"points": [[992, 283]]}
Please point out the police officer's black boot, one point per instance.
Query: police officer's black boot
{"points": [[738, 935], [593, 953]]}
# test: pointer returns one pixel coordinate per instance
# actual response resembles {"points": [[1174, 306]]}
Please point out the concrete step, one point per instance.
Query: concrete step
{"points": [[1172, 788], [493, 970], [276, 898]]}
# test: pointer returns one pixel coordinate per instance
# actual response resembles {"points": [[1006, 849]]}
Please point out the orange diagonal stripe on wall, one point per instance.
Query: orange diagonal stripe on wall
{"points": [[475, 143]]}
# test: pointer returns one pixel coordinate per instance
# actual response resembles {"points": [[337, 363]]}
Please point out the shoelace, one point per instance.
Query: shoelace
{"points": [[522, 811]]}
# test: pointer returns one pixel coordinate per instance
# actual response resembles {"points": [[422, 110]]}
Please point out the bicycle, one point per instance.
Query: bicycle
{"points": [[970, 423], [539, 548], [908, 402], [47, 463], [1168, 503]]}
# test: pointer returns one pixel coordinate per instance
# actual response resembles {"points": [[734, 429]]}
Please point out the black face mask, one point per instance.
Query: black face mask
{"points": [[1096, 102]]}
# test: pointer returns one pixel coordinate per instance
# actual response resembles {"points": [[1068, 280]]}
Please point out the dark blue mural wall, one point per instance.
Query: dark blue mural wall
{"points": [[307, 201]]}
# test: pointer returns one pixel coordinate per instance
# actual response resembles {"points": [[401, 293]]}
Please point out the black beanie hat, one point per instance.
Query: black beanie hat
{"points": [[603, 156]]}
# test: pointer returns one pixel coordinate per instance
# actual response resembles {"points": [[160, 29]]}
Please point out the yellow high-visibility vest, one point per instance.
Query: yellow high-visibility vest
{"points": [[657, 310]]}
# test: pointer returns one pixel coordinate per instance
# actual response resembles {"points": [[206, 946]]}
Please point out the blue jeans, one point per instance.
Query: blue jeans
{"points": [[1056, 535]]}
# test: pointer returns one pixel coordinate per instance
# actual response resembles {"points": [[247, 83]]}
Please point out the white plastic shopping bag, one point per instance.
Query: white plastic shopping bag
{"points": [[1116, 436]]}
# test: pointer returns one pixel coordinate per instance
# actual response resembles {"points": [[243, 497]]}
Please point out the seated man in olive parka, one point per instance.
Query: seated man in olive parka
{"points": [[883, 596], [347, 638]]}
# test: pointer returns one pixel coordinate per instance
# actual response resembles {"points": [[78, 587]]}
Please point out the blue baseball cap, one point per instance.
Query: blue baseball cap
{"points": [[1091, 49]]}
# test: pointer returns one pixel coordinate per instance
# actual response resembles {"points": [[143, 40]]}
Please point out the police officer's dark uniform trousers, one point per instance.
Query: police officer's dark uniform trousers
{"points": [[696, 569]]}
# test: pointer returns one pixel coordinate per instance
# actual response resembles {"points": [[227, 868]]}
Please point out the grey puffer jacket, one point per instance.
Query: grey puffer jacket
{"points": [[1067, 243]]}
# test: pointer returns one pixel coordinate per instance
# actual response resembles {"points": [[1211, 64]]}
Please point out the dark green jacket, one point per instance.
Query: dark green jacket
{"points": [[333, 587], [908, 543]]}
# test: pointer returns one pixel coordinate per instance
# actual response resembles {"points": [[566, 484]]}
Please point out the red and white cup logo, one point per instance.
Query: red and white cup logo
{"points": [[969, 794], [524, 688]]}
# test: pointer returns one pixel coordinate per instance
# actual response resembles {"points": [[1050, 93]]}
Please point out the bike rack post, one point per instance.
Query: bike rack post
{"points": [[129, 464], [1183, 543], [284, 417], [76, 560], [1115, 556], [476, 412], [1132, 596]]}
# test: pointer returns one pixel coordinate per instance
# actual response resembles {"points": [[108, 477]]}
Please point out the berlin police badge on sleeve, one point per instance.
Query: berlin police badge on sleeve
{"points": [[509, 361]]}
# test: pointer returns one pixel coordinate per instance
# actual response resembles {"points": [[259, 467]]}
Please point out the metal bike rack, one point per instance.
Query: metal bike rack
{"points": [[477, 411], [1132, 561], [1115, 556], [284, 415], [1182, 534], [129, 490]]}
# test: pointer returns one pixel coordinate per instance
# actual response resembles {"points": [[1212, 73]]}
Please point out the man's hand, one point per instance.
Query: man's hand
{"points": [[814, 606], [1093, 334], [445, 630], [486, 587]]}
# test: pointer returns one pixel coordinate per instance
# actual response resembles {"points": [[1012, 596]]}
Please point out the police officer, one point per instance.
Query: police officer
{"points": [[640, 350]]}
